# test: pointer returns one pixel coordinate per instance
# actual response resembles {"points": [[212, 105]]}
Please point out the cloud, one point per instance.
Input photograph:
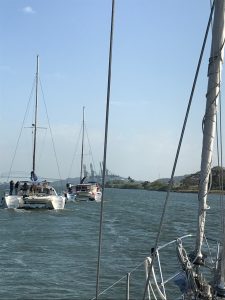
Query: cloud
{"points": [[28, 10]]}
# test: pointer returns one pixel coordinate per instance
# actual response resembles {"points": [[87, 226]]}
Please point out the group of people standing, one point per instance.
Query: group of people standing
{"points": [[16, 187], [12, 186]]}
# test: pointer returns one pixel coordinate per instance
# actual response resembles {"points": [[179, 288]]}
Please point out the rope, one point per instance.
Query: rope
{"points": [[161, 295], [105, 149], [178, 149]]}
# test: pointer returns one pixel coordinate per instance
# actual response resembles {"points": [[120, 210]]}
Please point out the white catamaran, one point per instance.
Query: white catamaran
{"points": [[33, 193], [84, 191]]}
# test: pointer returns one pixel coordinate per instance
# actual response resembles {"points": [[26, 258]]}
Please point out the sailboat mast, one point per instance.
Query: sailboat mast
{"points": [[214, 79], [35, 119], [82, 148]]}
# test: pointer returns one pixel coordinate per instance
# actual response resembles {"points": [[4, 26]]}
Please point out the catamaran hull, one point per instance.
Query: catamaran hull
{"points": [[31, 202], [89, 197], [70, 197]]}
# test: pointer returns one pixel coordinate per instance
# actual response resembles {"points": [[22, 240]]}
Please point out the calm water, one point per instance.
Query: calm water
{"points": [[53, 254]]}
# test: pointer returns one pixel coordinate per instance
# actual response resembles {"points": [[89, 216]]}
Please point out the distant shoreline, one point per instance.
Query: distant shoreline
{"points": [[183, 191]]}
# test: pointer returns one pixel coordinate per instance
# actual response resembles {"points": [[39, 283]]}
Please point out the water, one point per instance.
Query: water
{"points": [[53, 254]]}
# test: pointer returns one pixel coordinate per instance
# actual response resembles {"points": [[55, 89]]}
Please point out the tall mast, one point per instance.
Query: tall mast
{"points": [[214, 79], [35, 118], [82, 148]]}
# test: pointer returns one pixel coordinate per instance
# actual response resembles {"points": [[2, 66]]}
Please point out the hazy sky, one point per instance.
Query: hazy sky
{"points": [[155, 53]]}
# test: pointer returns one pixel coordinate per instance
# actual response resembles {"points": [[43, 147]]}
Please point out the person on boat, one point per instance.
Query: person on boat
{"points": [[33, 176], [98, 187], [17, 184], [25, 188], [11, 187], [39, 188], [45, 183], [69, 188], [32, 189]]}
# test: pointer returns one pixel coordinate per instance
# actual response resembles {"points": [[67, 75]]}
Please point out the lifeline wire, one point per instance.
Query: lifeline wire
{"points": [[178, 149], [105, 148]]}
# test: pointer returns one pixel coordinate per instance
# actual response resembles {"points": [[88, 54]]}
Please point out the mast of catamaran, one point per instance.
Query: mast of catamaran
{"points": [[82, 148], [35, 118], [213, 90]]}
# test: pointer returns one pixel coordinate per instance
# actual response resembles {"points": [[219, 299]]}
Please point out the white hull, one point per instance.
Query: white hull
{"points": [[89, 197], [84, 192], [70, 197], [34, 201]]}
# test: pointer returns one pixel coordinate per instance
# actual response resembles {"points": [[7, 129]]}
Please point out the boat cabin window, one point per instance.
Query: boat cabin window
{"points": [[83, 188]]}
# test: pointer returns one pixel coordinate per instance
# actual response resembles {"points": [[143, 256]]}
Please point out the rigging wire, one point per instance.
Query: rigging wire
{"points": [[221, 164], [89, 144], [76, 149], [178, 150], [53, 143], [105, 147], [220, 159], [21, 129], [75, 153], [42, 145]]}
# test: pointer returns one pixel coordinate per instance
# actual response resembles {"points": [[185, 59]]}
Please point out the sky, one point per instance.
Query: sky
{"points": [[156, 47]]}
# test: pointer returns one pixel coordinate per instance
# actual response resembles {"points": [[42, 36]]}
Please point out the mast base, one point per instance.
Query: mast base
{"points": [[197, 260]]}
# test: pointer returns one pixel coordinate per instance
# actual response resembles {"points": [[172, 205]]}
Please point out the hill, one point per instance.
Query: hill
{"points": [[186, 183]]}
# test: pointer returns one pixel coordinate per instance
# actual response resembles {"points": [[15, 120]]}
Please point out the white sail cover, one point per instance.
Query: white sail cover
{"points": [[214, 80]]}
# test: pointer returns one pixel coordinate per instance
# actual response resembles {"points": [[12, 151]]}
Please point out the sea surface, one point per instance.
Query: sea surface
{"points": [[53, 254]]}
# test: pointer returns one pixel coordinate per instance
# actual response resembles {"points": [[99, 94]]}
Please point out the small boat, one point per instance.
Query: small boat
{"points": [[33, 193], [84, 191], [88, 191]]}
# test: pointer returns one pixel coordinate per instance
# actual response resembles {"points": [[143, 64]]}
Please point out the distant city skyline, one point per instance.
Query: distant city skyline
{"points": [[155, 53]]}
